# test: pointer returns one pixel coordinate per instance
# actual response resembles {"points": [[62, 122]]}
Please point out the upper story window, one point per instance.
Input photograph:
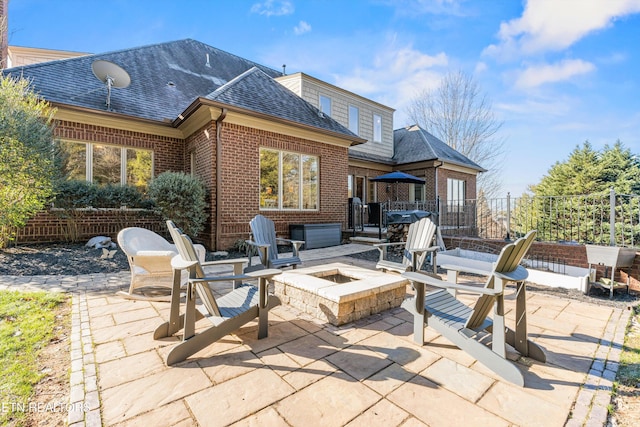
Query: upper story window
{"points": [[106, 164], [325, 105], [377, 128], [354, 118], [288, 181]]}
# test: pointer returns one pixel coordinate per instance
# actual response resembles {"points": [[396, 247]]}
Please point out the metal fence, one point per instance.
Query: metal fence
{"points": [[605, 219]]}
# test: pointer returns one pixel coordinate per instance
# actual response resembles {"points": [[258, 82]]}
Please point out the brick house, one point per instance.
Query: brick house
{"points": [[410, 149], [291, 147]]}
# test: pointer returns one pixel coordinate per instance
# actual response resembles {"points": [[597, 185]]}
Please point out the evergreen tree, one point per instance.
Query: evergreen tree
{"points": [[571, 202], [589, 172]]}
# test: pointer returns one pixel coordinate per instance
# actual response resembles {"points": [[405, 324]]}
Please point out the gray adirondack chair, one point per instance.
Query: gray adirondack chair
{"points": [[226, 314], [419, 243], [263, 238], [465, 326]]}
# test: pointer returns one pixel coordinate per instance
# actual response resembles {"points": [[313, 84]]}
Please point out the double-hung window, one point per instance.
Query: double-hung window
{"points": [[354, 119], [377, 128], [325, 105], [416, 192], [288, 181], [455, 194], [106, 164]]}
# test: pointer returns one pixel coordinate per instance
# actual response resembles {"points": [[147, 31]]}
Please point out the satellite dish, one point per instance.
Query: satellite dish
{"points": [[112, 75]]}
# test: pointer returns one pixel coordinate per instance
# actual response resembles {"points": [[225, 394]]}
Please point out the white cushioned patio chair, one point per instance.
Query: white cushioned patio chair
{"points": [[149, 256]]}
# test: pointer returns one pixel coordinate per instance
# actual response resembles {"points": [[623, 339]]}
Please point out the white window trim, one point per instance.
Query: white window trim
{"points": [[123, 159]]}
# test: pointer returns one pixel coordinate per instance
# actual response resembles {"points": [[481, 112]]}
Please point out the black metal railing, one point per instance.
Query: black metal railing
{"points": [[605, 219]]}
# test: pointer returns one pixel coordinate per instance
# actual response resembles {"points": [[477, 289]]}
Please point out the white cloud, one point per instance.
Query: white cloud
{"points": [[553, 25], [551, 73], [392, 74], [395, 77], [273, 8], [433, 7], [481, 67], [301, 28], [614, 58]]}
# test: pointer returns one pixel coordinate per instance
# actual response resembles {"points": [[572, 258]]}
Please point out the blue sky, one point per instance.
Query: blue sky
{"points": [[558, 72]]}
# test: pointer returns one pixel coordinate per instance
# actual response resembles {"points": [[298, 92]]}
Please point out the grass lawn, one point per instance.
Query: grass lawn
{"points": [[627, 386], [27, 321], [629, 373]]}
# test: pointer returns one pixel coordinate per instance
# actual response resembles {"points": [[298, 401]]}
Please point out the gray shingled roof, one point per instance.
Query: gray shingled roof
{"points": [[414, 144], [168, 77], [273, 99]]}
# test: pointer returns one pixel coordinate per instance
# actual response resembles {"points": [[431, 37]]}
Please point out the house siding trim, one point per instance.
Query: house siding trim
{"points": [[114, 121]]}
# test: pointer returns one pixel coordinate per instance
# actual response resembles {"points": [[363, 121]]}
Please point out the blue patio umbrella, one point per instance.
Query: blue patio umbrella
{"points": [[396, 177]]}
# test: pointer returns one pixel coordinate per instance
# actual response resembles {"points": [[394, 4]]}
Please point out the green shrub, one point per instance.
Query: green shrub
{"points": [[182, 199], [241, 246], [116, 196], [73, 194], [27, 169]]}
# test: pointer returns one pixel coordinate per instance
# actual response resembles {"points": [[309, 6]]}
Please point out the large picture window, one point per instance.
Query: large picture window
{"points": [[106, 164], [288, 181]]}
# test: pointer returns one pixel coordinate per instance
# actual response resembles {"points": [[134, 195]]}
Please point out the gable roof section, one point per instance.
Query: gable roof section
{"points": [[414, 144], [256, 91], [166, 78]]}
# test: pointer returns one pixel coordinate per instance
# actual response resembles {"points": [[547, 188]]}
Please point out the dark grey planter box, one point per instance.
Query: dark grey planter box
{"points": [[317, 235]]}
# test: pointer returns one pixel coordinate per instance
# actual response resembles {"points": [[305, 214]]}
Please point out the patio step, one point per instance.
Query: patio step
{"points": [[367, 240]]}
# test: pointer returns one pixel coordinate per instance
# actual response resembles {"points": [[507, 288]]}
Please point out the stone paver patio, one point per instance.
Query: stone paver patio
{"points": [[309, 373]]}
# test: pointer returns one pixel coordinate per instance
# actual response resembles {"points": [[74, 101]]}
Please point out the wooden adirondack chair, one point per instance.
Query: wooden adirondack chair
{"points": [[465, 326], [419, 243], [226, 314], [263, 238]]}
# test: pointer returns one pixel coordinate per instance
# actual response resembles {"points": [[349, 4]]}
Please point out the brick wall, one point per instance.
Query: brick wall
{"points": [[239, 201], [48, 226], [444, 174], [573, 255], [201, 145]]}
